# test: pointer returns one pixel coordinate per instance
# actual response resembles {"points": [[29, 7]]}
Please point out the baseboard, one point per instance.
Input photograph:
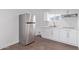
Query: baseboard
{"points": [[9, 44]]}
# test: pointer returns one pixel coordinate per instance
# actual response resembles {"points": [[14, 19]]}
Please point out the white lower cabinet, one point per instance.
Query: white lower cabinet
{"points": [[63, 36], [73, 38], [55, 34], [68, 36]]}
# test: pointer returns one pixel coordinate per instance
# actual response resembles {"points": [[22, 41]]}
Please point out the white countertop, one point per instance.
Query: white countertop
{"points": [[59, 27]]}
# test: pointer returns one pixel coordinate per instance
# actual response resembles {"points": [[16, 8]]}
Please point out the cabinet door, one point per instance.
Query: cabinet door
{"points": [[55, 34], [63, 36], [73, 38], [68, 36]]}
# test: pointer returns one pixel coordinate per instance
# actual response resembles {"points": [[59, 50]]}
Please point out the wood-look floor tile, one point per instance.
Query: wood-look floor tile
{"points": [[42, 44]]}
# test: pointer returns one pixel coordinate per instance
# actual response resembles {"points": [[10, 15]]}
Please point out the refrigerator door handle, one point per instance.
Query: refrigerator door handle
{"points": [[30, 22]]}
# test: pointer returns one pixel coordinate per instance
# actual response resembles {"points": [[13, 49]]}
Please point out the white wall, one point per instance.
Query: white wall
{"points": [[8, 28], [78, 31]]}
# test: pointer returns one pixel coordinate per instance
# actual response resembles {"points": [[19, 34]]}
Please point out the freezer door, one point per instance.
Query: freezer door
{"points": [[28, 17]]}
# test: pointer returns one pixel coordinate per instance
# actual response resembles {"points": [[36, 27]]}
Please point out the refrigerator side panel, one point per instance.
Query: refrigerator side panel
{"points": [[21, 29]]}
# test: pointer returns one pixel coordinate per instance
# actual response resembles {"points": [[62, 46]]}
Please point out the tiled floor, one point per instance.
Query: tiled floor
{"points": [[42, 44]]}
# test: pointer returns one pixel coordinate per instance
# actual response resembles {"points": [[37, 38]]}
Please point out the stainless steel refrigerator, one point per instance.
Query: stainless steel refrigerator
{"points": [[26, 28]]}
